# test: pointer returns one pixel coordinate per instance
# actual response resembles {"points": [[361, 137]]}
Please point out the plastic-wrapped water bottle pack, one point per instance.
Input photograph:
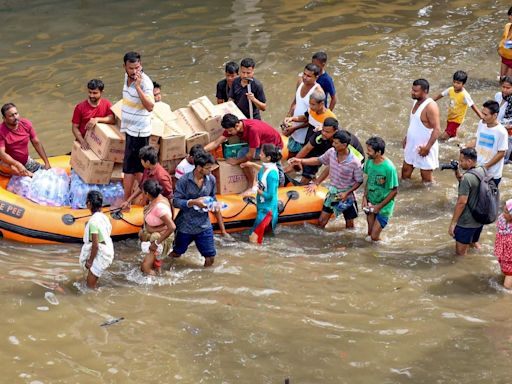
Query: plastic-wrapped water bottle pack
{"points": [[53, 187], [50, 187], [113, 193]]}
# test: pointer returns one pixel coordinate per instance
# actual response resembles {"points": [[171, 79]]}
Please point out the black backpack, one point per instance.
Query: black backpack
{"points": [[487, 206]]}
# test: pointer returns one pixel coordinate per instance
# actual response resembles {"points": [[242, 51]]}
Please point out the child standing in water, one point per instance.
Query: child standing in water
{"points": [[503, 243], [266, 198], [460, 100], [98, 250]]}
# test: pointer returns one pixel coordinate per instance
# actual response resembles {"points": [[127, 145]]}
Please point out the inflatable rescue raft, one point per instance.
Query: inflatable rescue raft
{"points": [[25, 221]]}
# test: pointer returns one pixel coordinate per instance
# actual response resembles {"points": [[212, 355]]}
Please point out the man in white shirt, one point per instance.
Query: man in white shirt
{"points": [[491, 141]]}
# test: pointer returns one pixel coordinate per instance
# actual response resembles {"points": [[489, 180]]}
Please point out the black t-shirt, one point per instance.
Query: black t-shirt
{"points": [[238, 94], [320, 145], [223, 90]]}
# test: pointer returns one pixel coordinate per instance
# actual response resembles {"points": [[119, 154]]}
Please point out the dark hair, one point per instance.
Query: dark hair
{"points": [[6, 107], [492, 106], [149, 153], [156, 85], [331, 122], [509, 11], [196, 148], [422, 83], [469, 153], [313, 68], [96, 200], [95, 84], [321, 57], [460, 76], [152, 187], [342, 137], [203, 158], [272, 151], [229, 121], [506, 79], [131, 57], [377, 144], [231, 67], [248, 63]]}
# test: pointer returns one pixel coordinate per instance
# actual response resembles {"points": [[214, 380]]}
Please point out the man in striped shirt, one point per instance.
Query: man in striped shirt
{"points": [[346, 176], [138, 102]]}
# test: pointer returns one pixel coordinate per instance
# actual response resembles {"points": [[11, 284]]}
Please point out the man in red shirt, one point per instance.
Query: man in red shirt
{"points": [[255, 133], [91, 111], [152, 170], [15, 133]]}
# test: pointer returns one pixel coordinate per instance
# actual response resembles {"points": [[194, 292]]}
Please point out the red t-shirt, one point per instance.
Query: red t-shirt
{"points": [[162, 176], [15, 142], [84, 112], [257, 132]]}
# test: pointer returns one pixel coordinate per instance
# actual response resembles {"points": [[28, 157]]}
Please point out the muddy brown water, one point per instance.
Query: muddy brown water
{"points": [[406, 311]]}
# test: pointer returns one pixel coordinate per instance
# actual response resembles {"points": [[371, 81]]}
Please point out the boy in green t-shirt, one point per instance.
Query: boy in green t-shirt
{"points": [[380, 189]]}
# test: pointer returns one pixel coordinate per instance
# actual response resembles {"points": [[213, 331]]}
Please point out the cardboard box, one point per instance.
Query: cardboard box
{"points": [[229, 107], [170, 165], [202, 138], [213, 126], [162, 111], [230, 179], [172, 147], [203, 108], [117, 109], [89, 166], [188, 123], [117, 172], [106, 142]]}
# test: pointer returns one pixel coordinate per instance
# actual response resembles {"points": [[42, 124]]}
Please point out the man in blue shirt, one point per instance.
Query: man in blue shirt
{"points": [[325, 81], [192, 222]]}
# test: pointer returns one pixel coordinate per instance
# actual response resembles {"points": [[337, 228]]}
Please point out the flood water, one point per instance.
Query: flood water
{"points": [[301, 307]]}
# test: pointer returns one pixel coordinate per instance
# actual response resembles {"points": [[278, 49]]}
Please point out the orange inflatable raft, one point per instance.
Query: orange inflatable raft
{"points": [[28, 222]]}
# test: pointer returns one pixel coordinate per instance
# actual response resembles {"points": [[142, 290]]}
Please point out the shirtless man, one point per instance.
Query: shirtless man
{"points": [[421, 148]]}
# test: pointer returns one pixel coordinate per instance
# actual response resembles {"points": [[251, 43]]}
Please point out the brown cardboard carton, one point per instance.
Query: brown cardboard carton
{"points": [[117, 172], [213, 126], [172, 147], [203, 108], [229, 107], [89, 166], [117, 109], [230, 179], [202, 138], [162, 111], [106, 142], [170, 165], [187, 122]]}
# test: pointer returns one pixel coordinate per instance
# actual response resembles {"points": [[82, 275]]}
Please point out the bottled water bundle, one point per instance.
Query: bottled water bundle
{"points": [[113, 193], [50, 187]]}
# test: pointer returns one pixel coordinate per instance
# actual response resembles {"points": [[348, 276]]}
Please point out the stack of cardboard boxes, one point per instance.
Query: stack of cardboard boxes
{"points": [[173, 133], [103, 161]]}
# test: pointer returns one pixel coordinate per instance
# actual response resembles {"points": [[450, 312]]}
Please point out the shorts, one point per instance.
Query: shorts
{"points": [[467, 235], [349, 214], [31, 165], [507, 62], [131, 162], [451, 128], [294, 146], [383, 220], [204, 242]]}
